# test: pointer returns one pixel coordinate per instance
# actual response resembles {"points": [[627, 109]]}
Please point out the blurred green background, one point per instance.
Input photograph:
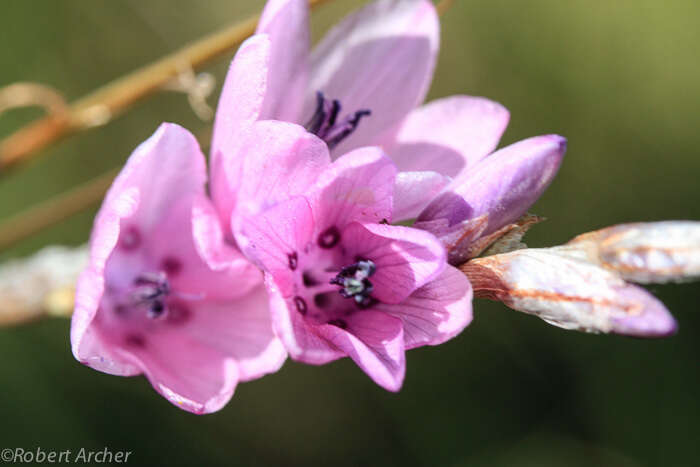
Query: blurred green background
{"points": [[619, 79]]}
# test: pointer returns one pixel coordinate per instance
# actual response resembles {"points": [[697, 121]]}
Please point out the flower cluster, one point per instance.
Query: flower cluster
{"points": [[300, 245]]}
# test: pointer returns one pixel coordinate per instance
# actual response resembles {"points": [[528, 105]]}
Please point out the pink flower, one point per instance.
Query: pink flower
{"points": [[148, 303], [342, 281], [360, 86], [494, 193]]}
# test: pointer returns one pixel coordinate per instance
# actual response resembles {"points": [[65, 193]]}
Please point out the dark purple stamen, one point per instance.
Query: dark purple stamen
{"points": [[329, 237], [151, 291], [300, 303], [293, 260], [324, 122], [355, 283]]}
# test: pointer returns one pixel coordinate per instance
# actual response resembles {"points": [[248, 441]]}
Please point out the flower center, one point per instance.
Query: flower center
{"points": [[354, 282], [325, 124], [150, 291]]}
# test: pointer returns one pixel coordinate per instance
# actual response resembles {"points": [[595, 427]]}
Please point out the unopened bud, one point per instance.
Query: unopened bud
{"points": [[653, 252], [569, 293]]}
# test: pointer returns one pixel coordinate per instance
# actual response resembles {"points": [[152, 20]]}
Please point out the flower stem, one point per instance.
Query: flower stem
{"points": [[102, 105]]}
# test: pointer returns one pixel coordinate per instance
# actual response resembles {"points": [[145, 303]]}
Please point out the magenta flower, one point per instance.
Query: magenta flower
{"points": [[360, 86], [342, 281], [147, 303]]}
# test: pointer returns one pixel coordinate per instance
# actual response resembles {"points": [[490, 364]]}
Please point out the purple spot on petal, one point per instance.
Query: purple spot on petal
{"points": [[293, 260], [130, 238], [121, 310], [322, 300], [300, 303], [329, 237], [178, 314], [135, 340], [308, 279], [171, 265]]}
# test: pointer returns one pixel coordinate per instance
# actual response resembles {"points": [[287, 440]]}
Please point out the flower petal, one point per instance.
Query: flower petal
{"points": [[504, 185], [280, 160], [379, 58], [569, 293], [356, 187], [271, 237], [374, 340], [436, 312], [448, 135], [241, 329], [286, 23], [218, 254], [192, 376], [413, 191], [405, 258], [301, 339], [652, 252], [242, 97], [271, 161]]}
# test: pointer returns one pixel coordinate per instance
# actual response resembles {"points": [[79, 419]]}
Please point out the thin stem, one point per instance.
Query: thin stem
{"points": [[101, 106], [54, 210]]}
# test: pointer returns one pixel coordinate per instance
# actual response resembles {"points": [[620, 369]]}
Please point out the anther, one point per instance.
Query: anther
{"points": [[324, 122], [355, 283]]}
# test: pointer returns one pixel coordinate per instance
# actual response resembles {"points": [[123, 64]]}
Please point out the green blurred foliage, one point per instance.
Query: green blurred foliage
{"points": [[619, 79]]}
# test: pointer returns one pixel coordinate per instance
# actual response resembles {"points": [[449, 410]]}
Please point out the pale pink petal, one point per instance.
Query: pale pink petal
{"points": [[356, 187], [300, 338], [374, 340], [161, 176], [405, 258], [241, 329], [503, 186], [286, 22], [273, 236], [280, 160], [192, 376], [87, 344], [242, 97], [270, 161], [219, 254], [379, 58], [413, 191], [436, 312], [449, 134], [568, 292]]}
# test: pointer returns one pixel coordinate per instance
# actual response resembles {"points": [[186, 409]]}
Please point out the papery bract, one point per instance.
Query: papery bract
{"points": [[645, 252], [148, 303], [568, 292]]}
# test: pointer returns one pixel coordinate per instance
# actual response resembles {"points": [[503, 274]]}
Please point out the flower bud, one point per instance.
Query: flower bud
{"points": [[653, 252], [569, 293]]}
